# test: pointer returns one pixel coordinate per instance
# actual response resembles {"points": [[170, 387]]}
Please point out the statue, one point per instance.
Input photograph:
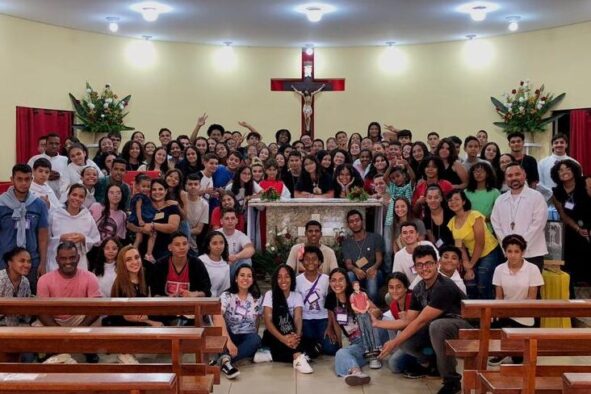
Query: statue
{"points": [[307, 108]]}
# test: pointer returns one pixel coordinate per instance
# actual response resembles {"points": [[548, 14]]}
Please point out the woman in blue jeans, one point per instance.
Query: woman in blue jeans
{"points": [[348, 360], [241, 312]]}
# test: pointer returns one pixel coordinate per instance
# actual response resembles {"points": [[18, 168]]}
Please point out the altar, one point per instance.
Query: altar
{"points": [[291, 216]]}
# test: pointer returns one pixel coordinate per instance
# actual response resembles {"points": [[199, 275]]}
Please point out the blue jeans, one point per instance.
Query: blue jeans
{"points": [[371, 286], [367, 332], [481, 286], [401, 361], [313, 333], [234, 267], [247, 345], [349, 357]]}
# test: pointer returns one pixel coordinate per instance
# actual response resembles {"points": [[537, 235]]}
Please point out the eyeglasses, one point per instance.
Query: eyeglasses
{"points": [[420, 266]]}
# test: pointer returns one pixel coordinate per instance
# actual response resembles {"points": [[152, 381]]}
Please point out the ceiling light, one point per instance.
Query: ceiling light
{"points": [[390, 43], [150, 14], [315, 11], [113, 25], [471, 36], [146, 37], [150, 10], [513, 22], [478, 13], [309, 49]]}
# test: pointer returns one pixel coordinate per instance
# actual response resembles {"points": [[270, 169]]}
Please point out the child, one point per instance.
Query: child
{"points": [[142, 212], [397, 185], [196, 208], [450, 258], [39, 186], [271, 181], [360, 305], [472, 148]]}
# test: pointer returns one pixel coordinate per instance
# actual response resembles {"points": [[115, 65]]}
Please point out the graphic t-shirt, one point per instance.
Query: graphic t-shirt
{"points": [[176, 281]]}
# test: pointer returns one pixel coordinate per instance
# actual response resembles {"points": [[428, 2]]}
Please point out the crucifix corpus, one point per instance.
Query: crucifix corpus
{"points": [[307, 87]]}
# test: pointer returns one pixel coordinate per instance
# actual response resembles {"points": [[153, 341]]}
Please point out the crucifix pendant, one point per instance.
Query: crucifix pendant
{"points": [[512, 226]]}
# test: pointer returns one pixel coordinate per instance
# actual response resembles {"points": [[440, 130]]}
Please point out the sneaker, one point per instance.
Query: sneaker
{"points": [[496, 361], [127, 359], [450, 388], [63, 358], [301, 364], [357, 379], [418, 371], [262, 356], [229, 370], [92, 358], [374, 363]]}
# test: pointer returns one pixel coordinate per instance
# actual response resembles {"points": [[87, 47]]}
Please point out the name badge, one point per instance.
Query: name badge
{"points": [[342, 318], [159, 216], [439, 243], [569, 205], [313, 298]]}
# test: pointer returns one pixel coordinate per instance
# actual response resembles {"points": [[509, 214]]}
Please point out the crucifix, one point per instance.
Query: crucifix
{"points": [[307, 87]]}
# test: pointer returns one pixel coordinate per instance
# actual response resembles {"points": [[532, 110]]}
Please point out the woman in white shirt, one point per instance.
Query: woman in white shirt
{"points": [[243, 186], [77, 161], [215, 260], [103, 266]]}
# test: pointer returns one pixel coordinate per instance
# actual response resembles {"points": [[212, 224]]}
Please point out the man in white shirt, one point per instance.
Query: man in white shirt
{"points": [[210, 165], [59, 164], [403, 258], [240, 246], [559, 146], [313, 231], [522, 210]]}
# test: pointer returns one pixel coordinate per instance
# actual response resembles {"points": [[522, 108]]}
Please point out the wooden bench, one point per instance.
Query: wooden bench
{"points": [[576, 383], [133, 383], [475, 346], [193, 378]]}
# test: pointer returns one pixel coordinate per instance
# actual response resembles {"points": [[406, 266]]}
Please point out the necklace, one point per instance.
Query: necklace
{"points": [[514, 211]]}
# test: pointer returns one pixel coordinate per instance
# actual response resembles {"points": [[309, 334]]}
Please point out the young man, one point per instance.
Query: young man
{"points": [[559, 147], [41, 144], [522, 211], [115, 137], [363, 253], [39, 186], [291, 177], [59, 163], [210, 165], [472, 148], [197, 210], [24, 222], [165, 136], [180, 274], [307, 141], [482, 136], [313, 232], [240, 246], [529, 164], [184, 141], [433, 318], [216, 131], [317, 146], [403, 258], [312, 284], [118, 171], [433, 141], [405, 136], [342, 140], [449, 261]]}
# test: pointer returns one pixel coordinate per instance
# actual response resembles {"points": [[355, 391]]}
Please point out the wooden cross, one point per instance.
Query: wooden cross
{"points": [[306, 86]]}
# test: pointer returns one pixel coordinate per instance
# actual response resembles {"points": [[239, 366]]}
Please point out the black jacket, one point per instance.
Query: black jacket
{"points": [[198, 276]]}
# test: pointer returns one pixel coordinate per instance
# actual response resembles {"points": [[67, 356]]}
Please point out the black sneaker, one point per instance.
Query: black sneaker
{"points": [[92, 358], [450, 388], [230, 371], [419, 371]]}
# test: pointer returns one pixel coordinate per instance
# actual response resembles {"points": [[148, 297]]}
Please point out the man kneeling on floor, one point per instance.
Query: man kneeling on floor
{"points": [[434, 317], [69, 281]]}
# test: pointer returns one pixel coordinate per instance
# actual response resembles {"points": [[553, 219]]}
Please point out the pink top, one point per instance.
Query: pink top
{"points": [[359, 300]]}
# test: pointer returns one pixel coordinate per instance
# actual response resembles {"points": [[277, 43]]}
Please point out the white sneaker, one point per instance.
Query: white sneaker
{"points": [[374, 363], [357, 379], [301, 364], [262, 356], [63, 358], [127, 359]]}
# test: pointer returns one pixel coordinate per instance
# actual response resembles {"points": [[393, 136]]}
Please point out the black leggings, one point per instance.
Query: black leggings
{"points": [[279, 351]]}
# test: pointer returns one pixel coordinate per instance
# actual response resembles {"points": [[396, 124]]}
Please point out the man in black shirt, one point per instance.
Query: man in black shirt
{"points": [[529, 164], [433, 318], [291, 177]]}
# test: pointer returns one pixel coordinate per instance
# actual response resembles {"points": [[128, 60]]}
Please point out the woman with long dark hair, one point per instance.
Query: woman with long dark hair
{"points": [[374, 132], [492, 153], [104, 263], [133, 153], [481, 190], [110, 216], [345, 178], [453, 170], [243, 186], [313, 182]]}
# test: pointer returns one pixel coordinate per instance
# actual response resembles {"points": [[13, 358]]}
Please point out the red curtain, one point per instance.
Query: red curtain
{"points": [[32, 123], [580, 138]]}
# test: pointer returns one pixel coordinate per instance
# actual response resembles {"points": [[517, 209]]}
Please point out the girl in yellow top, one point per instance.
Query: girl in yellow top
{"points": [[481, 251]]}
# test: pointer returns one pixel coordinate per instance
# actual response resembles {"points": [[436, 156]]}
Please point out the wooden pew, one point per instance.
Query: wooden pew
{"points": [[576, 383], [195, 378], [475, 348], [134, 383]]}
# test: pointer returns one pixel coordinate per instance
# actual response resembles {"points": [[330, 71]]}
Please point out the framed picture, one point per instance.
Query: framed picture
{"points": [[555, 240]]}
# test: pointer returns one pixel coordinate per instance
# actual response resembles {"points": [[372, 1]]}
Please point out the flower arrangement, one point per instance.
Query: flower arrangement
{"points": [[270, 195], [357, 194], [276, 251], [101, 112], [523, 109]]}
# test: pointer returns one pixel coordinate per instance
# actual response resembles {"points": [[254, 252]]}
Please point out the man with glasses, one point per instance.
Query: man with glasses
{"points": [[434, 316]]}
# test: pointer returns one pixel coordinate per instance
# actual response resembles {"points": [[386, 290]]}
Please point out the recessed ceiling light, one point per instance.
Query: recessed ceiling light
{"points": [[147, 37], [513, 22], [478, 9], [150, 10], [390, 43], [113, 25], [309, 49], [478, 13], [315, 11]]}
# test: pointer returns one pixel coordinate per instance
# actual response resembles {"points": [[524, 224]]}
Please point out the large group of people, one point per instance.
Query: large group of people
{"points": [[454, 227]]}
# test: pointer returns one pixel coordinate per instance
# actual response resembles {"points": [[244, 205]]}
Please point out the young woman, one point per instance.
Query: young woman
{"points": [[437, 216], [149, 149], [103, 265], [14, 282], [407, 152], [331, 144], [339, 157], [355, 138], [105, 148], [273, 149], [379, 166], [282, 168], [89, 180], [374, 132], [403, 213], [282, 309], [243, 186], [431, 168], [133, 153], [453, 170], [492, 153], [108, 163], [264, 154], [273, 179], [192, 163], [175, 150], [325, 160], [481, 190], [138, 136], [258, 171], [215, 259], [419, 152], [363, 164], [175, 192], [348, 360], [481, 251], [345, 179], [72, 223], [227, 200], [504, 161], [78, 160], [221, 150], [240, 318], [110, 217], [159, 162], [313, 182], [354, 151]]}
